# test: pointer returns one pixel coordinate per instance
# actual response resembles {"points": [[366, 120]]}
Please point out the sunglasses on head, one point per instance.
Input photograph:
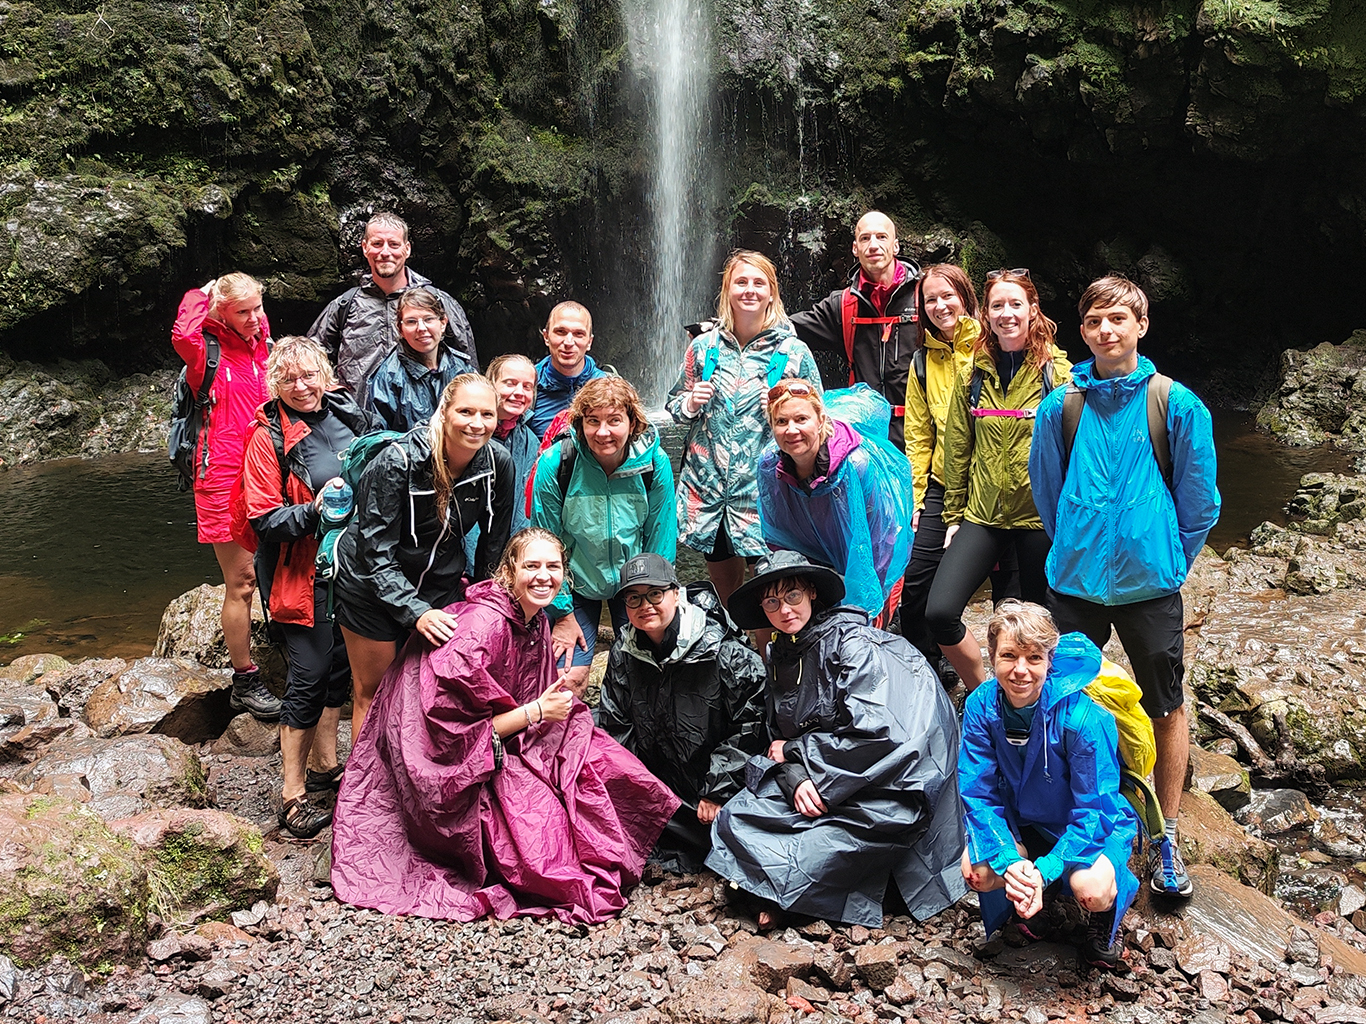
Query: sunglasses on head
{"points": [[1017, 272], [797, 389]]}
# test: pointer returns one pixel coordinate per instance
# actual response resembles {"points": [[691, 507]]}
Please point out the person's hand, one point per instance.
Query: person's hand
{"points": [[556, 701], [1024, 888], [699, 396], [948, 535], [807, 801], [436, 626], [575, 678], [565, 635], [775, 751], [707, 811], [318, 501], [207, 288], [915, 520]]}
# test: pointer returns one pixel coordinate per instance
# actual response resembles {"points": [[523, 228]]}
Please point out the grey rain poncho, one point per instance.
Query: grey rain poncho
{"points": [[869, 723]]}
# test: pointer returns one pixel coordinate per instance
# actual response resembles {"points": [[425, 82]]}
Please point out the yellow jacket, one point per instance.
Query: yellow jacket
{"points": [[927, 408], [986, 459]]}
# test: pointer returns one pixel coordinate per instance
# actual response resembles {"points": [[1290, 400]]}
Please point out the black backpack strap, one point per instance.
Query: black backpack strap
{"points": [[1047, 379], [918, 361], [565, 470], [1159, 393], [213, 355], [975, 387], [1073, 401]]}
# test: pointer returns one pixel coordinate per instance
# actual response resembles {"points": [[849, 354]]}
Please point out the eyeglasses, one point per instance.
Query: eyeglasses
{"points": [[792, 598], [655, 597], [429, 322], [1017, 272], [307, 379], [795, 388]]}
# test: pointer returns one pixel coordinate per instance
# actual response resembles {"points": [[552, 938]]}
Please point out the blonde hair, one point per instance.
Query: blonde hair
{"points": [[436, 437], [610, 392], [300, 354], [385, 219], [570, 306], [817, 405], [1029, 625], [232, 288], [775, 313], [502, 362], [506, 573]]}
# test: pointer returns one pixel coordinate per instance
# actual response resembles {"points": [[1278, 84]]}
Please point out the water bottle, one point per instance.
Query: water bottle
{"points": [[336, 503]]}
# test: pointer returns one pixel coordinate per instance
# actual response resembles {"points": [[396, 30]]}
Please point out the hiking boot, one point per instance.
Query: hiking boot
{"points": [[1168, 870], [303, 819], [1098, 950], [250, 694]]}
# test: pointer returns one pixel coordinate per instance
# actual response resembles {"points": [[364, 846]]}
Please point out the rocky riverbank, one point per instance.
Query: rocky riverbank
{"points": [[145, 880]]}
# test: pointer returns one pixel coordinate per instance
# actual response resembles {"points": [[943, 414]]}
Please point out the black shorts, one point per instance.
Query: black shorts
{"points": [[1153, 636], [369, 619], [721, 548]]}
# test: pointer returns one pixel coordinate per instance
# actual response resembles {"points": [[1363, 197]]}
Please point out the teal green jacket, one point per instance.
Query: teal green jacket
{"points": [[604, 521]]}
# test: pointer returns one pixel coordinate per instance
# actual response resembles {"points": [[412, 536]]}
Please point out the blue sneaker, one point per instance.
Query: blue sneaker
{"points": [[1168, 870]]}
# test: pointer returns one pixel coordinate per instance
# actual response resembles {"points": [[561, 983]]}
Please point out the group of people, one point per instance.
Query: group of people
{"points": [[766, 722]]}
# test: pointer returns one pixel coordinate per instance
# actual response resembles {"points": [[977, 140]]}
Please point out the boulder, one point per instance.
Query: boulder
{"points": [[1323, 500], [190, 629], [775, 962], [708, 1001], [27, 742], [125, 775], [876, 965], [247, 737], [200, 863], [172, 696], [72, 686], [1273, 811], [1221, 777], [29, 668], [68, 885], [175, 1008], [1209, 835], [24, 704], [1320, 399]]}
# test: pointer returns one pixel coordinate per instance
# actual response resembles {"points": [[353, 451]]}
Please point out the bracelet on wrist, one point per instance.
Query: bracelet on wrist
{"points": [[526, 710], [540, 711]]}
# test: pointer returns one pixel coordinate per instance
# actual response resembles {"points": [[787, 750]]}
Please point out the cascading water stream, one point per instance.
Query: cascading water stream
{"points": [[669, 48]]}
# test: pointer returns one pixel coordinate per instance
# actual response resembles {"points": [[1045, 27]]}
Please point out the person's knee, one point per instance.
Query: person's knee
{"points": [[1095, 887], [944, 620], [979, 877]]}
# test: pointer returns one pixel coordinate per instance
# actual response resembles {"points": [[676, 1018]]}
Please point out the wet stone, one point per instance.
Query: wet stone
{"points": [[1278, 810], [831, 967], [1213, 986], [775, 962], [876, 965], [1202, 953]]}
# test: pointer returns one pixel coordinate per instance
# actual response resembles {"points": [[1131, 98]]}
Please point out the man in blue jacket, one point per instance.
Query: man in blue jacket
{"points": [[1128, 496], [568, 335]]}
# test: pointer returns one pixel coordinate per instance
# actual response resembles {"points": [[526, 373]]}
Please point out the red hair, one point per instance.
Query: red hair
{"points": [[1042, 330]]}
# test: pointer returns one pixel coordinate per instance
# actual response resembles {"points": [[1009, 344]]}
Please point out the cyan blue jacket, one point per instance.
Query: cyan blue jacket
{"points": [[554, 391], [523, 445], [1066, 785], [1119, 535], [405, 393]]}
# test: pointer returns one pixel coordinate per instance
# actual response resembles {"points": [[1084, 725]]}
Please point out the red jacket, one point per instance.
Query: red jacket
{"points": [[238, 391]]}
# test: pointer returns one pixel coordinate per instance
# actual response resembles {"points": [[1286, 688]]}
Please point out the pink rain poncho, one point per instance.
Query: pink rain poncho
{"points": [[426, 823], [856, 518]]}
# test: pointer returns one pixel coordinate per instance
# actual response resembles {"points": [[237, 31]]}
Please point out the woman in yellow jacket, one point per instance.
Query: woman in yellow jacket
{"points": [[948, 309], [988, 504]]}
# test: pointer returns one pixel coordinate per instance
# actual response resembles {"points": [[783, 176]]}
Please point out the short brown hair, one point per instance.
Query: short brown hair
{"points": [[1113, 290], [1028, 624], [384, 219], [609, 391]]}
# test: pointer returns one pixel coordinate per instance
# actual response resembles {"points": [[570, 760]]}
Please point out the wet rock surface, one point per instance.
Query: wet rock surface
{"points": [[1321, 397], [190, 629], [172, 696]]}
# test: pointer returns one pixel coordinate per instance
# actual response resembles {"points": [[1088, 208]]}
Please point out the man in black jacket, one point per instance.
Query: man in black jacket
{"points": [[684, 692], [874, 323]]}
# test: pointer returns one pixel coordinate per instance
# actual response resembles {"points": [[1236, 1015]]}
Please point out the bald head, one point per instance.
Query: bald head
{"points": [[875, 246]]}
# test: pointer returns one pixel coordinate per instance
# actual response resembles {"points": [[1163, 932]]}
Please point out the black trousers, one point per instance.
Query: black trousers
{"points": [[968, 561], [319, 674]]}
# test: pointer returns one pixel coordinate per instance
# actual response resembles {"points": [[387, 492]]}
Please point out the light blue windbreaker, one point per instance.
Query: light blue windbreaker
{"points": [[1119, 535], [604, 521], [1066, 785]]}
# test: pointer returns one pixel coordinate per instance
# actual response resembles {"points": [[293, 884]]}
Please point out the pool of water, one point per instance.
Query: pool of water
{"points": [[94, 550]]}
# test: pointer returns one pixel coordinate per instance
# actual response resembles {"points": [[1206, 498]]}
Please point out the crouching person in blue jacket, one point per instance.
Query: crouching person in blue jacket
{"points": [[1039, 774]]}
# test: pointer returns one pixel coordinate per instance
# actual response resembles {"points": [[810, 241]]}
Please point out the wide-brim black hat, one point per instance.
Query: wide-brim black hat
{"points": [[745, 605]]}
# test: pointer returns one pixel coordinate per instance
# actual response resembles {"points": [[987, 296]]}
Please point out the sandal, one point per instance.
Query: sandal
{"points": [[321, 782], [303, 819]]}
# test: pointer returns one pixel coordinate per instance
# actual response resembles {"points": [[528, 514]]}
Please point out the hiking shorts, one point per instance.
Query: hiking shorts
{"points": [[213, 523], [1153, 638]]}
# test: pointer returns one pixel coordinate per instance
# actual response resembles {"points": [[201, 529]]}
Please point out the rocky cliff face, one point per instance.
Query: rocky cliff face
{"points": [[1208, 149]]}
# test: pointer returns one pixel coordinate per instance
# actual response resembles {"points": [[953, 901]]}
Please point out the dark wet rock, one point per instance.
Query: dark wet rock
{"points": [[27, 742], [190, 628], [1340, 837], [68, 885], [1272, 811], [29, 668], [775, 962], [876, 965], [245, 736], [201, 863], [831, 967], [26, 704], [72, 686], [1201, 952], [1325, 500], [1320, 399], [125, 775], [172, 696], [1221, 777], [905, 987], [1209, 835]]}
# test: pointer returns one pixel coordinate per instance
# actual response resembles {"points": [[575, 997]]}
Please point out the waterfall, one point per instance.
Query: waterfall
{"points": [[670, 45]]}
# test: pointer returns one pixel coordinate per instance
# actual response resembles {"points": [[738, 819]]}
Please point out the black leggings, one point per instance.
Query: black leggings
{"points": [[968, 560], [319, 673]]}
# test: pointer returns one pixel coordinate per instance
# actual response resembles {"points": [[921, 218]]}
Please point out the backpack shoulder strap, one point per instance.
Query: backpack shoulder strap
{"points": [[564, 472], [1073, 401], [848, 308], [975, 387], [1159, 394], [213, 355], [1047, 378], [919, 359]]}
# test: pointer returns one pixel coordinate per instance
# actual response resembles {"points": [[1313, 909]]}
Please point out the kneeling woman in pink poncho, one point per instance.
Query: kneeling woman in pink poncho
{"points": [[480, 785]]}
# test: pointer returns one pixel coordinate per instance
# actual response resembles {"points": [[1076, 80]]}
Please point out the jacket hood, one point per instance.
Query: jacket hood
{"points": [[1076, 662], [965, 332], [826, 624], [842, 441], [1084, 377], [640, 453], [492, 595], [552, 380]]}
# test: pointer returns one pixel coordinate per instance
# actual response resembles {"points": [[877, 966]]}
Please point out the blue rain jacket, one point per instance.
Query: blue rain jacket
{"points": [[554, 391], [1119, 535], [405, 393], [1066, 785], [524, 447], [604, 521], [857, 518]]}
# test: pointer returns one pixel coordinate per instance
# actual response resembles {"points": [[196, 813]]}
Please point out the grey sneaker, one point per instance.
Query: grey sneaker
{"points": [[250, 694], [1167, 870]]}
